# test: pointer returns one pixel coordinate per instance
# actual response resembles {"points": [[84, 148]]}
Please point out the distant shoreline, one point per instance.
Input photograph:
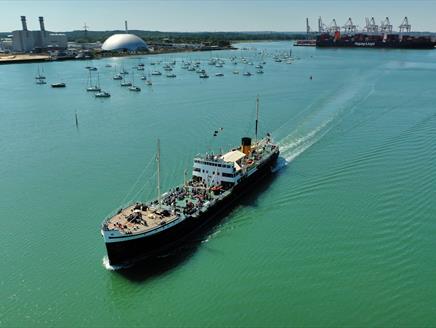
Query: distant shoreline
{"points": [[44, 58]]}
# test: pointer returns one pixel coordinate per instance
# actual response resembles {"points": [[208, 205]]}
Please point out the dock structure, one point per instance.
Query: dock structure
{"points": [[23, 58]]}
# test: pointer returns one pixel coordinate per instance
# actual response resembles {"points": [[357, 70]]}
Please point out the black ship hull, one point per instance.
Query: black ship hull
{"points": [[126, 252], [374, 44]]}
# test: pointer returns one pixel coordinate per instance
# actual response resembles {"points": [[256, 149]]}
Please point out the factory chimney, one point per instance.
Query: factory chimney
{"points": [[125, 24], [23, 23], [41, 23]]}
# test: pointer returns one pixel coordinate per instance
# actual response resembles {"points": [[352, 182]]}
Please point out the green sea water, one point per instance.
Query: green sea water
{"points": [[343, 235]]}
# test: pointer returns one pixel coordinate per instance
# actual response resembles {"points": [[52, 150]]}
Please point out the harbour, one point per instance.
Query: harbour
{"points": [[341, 235]]}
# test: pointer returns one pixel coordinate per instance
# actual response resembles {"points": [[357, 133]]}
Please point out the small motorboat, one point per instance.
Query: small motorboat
{"points": [[94, 88], [102, 94], [58, 85], [134, 88], [219, 74]]}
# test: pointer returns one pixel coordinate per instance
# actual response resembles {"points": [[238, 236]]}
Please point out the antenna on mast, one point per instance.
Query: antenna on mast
{"points": [[257, 119], [85, 30], [158, 173]]}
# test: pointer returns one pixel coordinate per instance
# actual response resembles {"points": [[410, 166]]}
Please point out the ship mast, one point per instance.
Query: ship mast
{"points": [[158, 172], [257, 119]]}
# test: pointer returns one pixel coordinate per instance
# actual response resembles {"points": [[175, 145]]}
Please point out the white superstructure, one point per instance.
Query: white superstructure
{"points": [[216, 170]]}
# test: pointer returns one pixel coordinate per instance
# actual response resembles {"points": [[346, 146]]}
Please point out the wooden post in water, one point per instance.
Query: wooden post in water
{"points": [[77, 121]]}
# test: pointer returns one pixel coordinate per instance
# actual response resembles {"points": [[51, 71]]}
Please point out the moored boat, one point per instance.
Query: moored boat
{"points": [[58, 85], [102, 94]]}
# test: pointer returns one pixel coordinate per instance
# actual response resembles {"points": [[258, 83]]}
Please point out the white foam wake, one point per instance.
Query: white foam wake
{"points": [[293, 146], [110, 267], [316, 123]]}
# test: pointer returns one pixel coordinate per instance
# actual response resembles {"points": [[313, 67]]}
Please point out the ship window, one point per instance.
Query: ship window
{"points": [[227, 175], [197, 169]]}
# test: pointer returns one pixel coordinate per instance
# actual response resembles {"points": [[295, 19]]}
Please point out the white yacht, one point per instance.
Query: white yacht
{"points": [[91, 87], [102, 94]]}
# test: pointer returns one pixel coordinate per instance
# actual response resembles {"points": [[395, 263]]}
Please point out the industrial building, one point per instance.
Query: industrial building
{"points": [[37, 41]]}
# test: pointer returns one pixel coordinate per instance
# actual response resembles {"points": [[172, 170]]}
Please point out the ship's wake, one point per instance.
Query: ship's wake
{"points": [[293, 146], [319, 118], [110, 267]]}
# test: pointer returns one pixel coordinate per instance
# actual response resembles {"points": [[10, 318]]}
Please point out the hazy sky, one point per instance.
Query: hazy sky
{"points": [[210, 15]]}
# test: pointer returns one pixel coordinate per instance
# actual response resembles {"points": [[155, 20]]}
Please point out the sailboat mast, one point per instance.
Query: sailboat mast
{"points": [[257, 119], [158, 172]]}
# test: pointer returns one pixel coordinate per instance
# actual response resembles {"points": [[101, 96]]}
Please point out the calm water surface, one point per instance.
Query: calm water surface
{"points": [[344, 235]]}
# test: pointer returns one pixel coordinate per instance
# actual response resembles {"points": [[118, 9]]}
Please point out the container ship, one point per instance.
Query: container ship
{"points": [[372, 36], [147, 229]]}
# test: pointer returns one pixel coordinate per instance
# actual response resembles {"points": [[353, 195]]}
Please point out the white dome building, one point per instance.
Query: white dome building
{"points": [[124, 42]]}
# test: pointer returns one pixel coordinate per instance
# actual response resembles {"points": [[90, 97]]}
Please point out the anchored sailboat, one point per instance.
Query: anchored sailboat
{"points": [[93, 88]]}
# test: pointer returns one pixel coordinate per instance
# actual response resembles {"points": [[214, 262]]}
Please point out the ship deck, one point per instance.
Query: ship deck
{"points": [[138, 218], [177, 203]]}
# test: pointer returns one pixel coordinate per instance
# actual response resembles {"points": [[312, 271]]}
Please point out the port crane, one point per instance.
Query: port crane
{"points": [[405, 26], [307, 26], [370, 25], [321, 26], [386, 26], [349, 27], [333, 27]]}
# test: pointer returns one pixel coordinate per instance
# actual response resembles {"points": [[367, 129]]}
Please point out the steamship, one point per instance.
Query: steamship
{"points": [[148, 229]]}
